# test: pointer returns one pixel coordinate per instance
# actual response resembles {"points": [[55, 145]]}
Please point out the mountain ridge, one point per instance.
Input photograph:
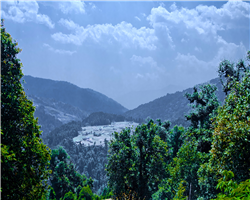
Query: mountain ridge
{"points": [[172, 107], [60, 102], [94, 102]]}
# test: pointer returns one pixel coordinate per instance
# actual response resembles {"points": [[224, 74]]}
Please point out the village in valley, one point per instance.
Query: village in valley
{"points": [[91, 135]]}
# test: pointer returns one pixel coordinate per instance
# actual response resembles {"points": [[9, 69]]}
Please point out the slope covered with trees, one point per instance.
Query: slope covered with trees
{"points": [[209, 159]]}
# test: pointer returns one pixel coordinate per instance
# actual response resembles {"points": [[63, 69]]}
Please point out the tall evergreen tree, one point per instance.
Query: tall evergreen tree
{"points": [[64, 177], [136, 163], [24, 158]]}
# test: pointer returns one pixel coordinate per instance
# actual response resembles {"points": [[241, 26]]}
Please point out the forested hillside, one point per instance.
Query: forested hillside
{"points": [[207, 159], [89, 160]]}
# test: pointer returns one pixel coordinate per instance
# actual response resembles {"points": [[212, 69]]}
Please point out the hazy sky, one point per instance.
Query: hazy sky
{"points": [[132, 52]]}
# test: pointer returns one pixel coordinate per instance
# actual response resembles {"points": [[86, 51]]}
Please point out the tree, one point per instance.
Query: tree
{"points": [[64, 177], [136, 161], [24, 158], [176, 139], [230, 139], [231, 190], [228, 72], [204, 104], [86, 193], [190, 148], [120, 170]]}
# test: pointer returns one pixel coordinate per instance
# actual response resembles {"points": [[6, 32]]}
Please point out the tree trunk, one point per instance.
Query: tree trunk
{"points": [[190, 189]]}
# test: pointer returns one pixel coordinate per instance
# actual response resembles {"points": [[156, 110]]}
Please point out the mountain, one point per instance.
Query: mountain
{"points": [[133, 99], [171, 107], [59, 102], [52, 114]]}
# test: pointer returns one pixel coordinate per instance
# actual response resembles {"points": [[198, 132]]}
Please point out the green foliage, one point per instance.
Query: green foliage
{"points": [[70, 196], [231, 190], [190, 148], [52, 194], [24, 158], [106, 193], [184, 168], [176, 137], [86, 193], [64, 177], [136, 161], [228, 72], [231, 138], [204, 104], [180, 192]]}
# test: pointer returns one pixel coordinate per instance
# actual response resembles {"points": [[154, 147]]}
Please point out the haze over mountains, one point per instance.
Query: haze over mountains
{"points": [[60, 102], [171, 107], [84, 98], [133, 99]]}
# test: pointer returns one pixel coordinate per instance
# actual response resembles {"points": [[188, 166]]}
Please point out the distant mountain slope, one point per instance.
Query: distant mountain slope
{"points": [[86, 99], [52, 114], [59, 102], [171, 107], [100, 118]]}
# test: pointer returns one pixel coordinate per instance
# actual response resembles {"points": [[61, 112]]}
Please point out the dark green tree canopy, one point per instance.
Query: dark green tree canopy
{"points": [[24, 158], [136, 162], [204, 104], [64, 177], [229, 71]]}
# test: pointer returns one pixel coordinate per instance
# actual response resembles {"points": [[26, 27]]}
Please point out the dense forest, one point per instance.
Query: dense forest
{"points": [[208, 159]]}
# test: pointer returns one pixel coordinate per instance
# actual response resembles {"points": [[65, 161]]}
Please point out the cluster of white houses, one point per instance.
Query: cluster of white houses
{"points": [[97, 134]]}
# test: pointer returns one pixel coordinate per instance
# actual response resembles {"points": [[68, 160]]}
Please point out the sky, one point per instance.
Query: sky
{"points": [[132, 52]]}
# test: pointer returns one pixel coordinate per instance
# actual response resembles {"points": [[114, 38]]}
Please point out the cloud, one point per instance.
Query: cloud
{"points": [[190, 64], [137, 18], [204, 19], [143, 60], [69, 24], [123, 33], [115, 70], [93, 7], [25, 11], [228, 50], [173, 6], [190, 67], [59, 51], [72, 7], [143, 79], [139, 76], [197, 49]]}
